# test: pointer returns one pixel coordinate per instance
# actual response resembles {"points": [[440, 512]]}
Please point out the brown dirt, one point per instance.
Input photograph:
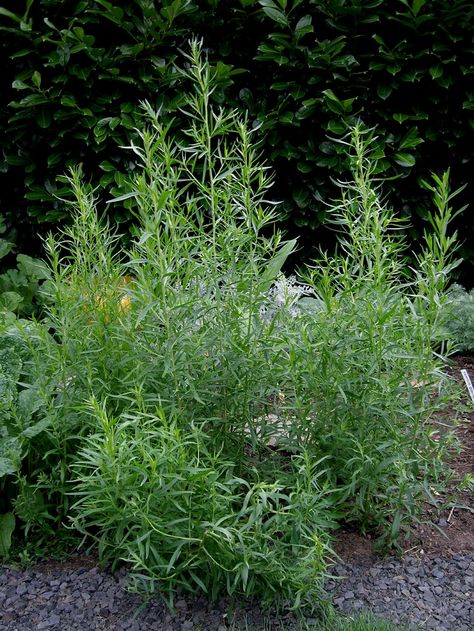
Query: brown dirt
{"points": [[74, 562], [446, 532]]}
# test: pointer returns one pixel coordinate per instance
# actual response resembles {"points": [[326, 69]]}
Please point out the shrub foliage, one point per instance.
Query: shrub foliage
{"points": [[306, 70]]}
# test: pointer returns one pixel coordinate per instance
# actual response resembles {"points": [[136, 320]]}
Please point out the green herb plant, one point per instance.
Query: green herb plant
{"points": [[169, 372], [460, 318], [372, 379], [209, 420]]}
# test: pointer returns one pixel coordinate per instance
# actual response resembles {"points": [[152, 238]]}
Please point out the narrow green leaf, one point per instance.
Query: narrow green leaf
{"points": [[10, 14], [121, 198]]}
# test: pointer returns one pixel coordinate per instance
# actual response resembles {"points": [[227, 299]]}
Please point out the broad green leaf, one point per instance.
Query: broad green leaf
{"points": [[7, 318], [304, 26], [330, 95], [7, 466], [107, 166], [54, 159], [274, 266], [37, 428], [36, 79], [400, 118], [411, 139], [311, 305], [20, 85], [304, 167], [305, 112], [44, 118], [436, 71], [276, 15], [337, 126], [30, 100], [7, 526], [379, 40], [34, 268], [10, 301], [329, 161], [280, 86], [417, 6], [68, 101], [384, 90], [301, 197], [395, 528], [404, 159], [5, 248], [28, 403], [287, 117]]}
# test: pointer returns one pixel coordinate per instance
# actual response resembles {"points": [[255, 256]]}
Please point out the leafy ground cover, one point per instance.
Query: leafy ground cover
{"points": [[204, 419]]}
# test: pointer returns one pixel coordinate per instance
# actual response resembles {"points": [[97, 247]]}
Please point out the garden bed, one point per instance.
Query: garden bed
{"points": [[449, 531], [209, 422], [430, 584]]}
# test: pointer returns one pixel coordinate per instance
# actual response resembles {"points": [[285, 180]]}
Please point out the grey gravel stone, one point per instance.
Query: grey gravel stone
{"points": [[437, 594]]}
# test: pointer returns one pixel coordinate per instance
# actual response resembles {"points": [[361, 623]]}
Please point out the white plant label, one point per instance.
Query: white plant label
{"points": [[467, 381]]}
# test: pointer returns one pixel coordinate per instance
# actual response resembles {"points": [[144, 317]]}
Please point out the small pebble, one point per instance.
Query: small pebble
{"points": [[435, 594]]}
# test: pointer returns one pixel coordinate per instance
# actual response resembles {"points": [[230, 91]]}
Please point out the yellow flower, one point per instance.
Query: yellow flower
{"points": [[107, 295]]}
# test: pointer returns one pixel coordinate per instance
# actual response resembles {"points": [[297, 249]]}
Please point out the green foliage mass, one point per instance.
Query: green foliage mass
{"points": [[460, 318], [202, 417], [75, 71], [22, 423], [20, 286]]}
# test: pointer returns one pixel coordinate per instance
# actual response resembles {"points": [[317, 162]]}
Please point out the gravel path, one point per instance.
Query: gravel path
{"points": [[434, 593]]}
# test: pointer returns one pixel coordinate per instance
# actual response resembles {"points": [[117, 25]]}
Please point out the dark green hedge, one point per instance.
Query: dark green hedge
{"points": [[73, 73]]}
